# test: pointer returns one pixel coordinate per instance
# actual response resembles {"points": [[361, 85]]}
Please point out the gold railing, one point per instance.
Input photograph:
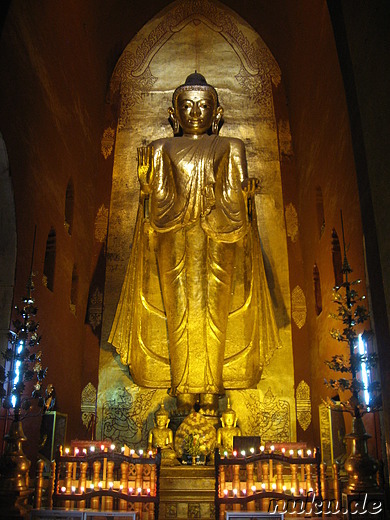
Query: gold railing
{"points": [[104, 481], [276, 481]]}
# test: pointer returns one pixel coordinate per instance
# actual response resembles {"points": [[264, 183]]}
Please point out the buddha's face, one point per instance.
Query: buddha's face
{"points": [[228, 420], [161, 421], [195, 111]]}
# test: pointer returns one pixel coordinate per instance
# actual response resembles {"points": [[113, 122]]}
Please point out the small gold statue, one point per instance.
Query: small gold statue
{"points": [[162, 437], [229, 429]]}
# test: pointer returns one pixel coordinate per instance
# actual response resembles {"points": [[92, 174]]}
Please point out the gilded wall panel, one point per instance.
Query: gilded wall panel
{"points": [[215, 41]]}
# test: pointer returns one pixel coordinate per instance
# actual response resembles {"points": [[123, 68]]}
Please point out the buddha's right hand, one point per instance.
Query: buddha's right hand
{"points": [[145, 168]]}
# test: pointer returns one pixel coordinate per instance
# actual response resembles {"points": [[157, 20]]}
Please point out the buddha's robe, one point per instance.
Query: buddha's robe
{"points": [[195, 314]]}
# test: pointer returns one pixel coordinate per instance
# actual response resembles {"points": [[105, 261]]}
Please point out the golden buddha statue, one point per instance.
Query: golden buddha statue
{"points": [[195, 313], [229, 429], [162, 437]]}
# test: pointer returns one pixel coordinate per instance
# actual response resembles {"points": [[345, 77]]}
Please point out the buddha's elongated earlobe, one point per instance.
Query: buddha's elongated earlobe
{"points": [[174, 120], [217, 120]]}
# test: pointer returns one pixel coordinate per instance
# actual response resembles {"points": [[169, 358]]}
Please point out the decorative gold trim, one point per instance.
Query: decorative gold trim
{"points": [[298, 306], [292, 226], [101, 223], [303, 404], [107, 142]]}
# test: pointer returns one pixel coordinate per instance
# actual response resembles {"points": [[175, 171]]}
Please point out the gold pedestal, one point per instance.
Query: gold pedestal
{"points": [[14, 467], [360, 466], [187, 492]]}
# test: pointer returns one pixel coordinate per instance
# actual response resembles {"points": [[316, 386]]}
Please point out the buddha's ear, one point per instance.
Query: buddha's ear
{"points": [[174, 120], [217, 120]]}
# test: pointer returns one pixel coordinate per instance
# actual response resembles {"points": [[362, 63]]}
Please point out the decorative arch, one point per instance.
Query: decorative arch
{"points": [[207, 36]]}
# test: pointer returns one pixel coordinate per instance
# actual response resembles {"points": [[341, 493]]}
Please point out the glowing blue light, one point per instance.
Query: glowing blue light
{"points": [[365, 371]]}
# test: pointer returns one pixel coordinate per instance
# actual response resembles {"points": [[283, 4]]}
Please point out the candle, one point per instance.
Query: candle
{"points": [[150, 453], [92, 449], [92, 487], [132, 452], [130, 490], [141, 452], [100, 485], [225, 453], [252, 450], [123, 449], [263, 487], [234, 453], [272, 447], [273, 486], [284, 489], [253, 488], [148, 491], [67, 451], [63, 489], [73, 489], [112, 447], [293, 491], [261, 448], [225, 492], [291, 452], [111, 485], [84, 451], [244, 491], [283, 450], [139, 490], [81, 489], [300, 453], [121, 487], [301, 491], [235, 492], [309, 453], [243, 453], [102, 447], [76, 451]]}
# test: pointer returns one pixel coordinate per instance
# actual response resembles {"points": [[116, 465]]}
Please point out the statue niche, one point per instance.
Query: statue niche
{"points": [[195, 314]]}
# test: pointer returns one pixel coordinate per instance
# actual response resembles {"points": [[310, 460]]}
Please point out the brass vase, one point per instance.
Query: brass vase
{"points": [[14, 468], [360, 466]]}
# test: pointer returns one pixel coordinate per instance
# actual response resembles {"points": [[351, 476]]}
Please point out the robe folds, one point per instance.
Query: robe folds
{"points": [[195, 313]]}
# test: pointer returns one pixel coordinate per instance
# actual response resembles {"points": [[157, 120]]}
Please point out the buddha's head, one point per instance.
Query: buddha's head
{"points": [[195, 107], [229, 417], [162, 417]]}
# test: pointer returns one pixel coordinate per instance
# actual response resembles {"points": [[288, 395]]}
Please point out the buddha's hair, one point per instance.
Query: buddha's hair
{"points": [[195, 81]]}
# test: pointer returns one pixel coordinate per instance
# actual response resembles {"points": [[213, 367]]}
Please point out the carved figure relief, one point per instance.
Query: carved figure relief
{"points": [[269, 418], [125, 417]]}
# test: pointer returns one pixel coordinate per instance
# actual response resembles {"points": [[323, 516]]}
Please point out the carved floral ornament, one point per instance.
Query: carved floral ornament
{"points": [[303, 405], [298, 307], [132, 75]]}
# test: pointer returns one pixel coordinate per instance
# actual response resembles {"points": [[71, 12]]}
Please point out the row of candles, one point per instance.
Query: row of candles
{"points": [[130, 490], [126, 451], [243, 492], [104, 448], [300, 453]]}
